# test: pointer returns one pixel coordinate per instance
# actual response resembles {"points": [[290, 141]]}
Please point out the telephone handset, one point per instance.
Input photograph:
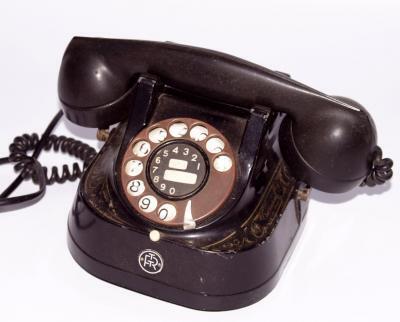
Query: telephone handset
{"points": [[321, 145], [198, 195]]}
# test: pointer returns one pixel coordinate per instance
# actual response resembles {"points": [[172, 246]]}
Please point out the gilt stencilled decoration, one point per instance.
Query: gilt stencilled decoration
{"points": [[264, 219]]}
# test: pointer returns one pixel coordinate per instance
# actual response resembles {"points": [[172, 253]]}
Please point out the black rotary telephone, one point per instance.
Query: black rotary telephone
{"points": [[198, 195]]}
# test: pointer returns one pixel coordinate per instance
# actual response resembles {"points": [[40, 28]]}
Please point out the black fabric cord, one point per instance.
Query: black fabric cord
{"points": [[30, 168], [381, 170]]}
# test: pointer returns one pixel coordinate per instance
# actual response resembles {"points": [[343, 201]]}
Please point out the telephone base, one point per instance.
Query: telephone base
{"points": [[117, 262], [230, 263], [171, 294]]}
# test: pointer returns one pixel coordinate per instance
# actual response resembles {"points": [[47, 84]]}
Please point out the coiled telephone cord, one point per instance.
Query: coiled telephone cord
{"points": [[30, 168], [381, 169]]}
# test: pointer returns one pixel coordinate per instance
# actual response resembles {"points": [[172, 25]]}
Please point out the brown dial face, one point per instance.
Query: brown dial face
{"points": [[178, 172]]}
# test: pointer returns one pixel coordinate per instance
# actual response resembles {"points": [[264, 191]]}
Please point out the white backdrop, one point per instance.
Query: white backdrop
{"points": [[346, 265]]}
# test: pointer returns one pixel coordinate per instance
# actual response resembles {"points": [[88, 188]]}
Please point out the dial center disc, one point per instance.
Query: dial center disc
{"points": [[177, 169]]}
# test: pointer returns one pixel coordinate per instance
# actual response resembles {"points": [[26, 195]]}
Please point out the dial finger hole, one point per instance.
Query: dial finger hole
{"points": [[222, 163], [215, 145], [199, 133], [158, 135], [141, 148], [135, 187], [166, 212], [133, 168], [179, 129], [148, 203]]}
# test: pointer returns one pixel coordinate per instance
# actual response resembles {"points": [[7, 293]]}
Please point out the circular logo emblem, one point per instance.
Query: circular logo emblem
{"points": [[150, 261]]}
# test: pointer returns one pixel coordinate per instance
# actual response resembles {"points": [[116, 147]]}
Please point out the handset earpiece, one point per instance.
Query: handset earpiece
{"points": [[333, 150]]}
